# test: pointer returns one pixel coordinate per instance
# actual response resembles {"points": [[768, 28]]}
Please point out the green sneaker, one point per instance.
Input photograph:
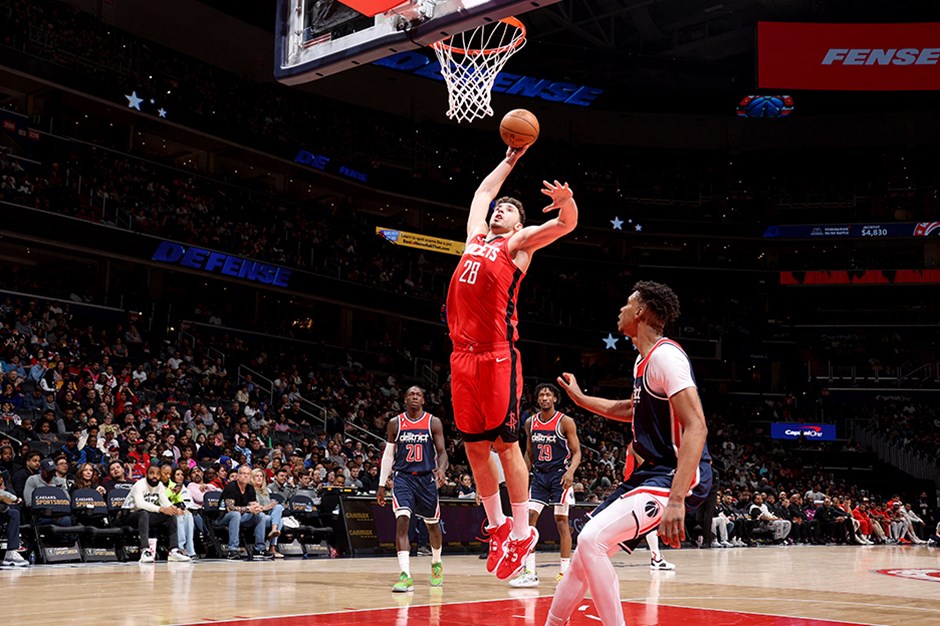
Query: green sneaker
{"points": [[405, 583], [437, 574]]}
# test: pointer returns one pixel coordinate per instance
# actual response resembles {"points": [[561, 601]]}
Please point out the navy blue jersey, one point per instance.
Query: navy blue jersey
{"points": [[657, 435], [415, 452], [550, 451]]}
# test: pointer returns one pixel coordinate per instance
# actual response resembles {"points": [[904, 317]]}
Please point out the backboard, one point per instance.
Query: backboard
{"points": [[317, 38]]}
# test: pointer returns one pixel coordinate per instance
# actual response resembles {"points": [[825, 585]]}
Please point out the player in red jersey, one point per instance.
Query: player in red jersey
{"points": [[486, 369]]}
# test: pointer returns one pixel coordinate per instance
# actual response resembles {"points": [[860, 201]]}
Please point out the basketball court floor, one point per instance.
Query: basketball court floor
{"points": [[782, 586]]}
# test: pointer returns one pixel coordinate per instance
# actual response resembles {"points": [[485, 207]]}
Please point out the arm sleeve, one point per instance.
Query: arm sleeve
{"points": [[669, 371], [388, 458]]}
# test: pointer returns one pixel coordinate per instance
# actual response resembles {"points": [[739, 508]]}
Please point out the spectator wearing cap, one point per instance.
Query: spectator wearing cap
{"points": [[167, 458], [47, 477], [139, 458], [70, 450], [10, 513]]}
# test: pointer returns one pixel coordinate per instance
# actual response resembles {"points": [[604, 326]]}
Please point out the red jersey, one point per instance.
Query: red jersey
{"points": [[481, 299]]}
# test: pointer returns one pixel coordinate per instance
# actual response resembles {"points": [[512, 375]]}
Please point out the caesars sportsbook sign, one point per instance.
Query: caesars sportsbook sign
{"points": [[864, 57]]}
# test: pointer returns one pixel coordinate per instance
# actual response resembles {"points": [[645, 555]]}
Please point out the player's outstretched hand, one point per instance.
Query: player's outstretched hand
{"points": [[560, 193], [380, 496], [513, 154], [569, 383]]}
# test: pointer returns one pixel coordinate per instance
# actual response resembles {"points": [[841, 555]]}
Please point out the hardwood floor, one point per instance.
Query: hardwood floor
{"points": [[734, 586]]}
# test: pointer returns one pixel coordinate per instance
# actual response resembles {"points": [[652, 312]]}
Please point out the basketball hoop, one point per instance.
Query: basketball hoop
{"points": [[470, 62]]}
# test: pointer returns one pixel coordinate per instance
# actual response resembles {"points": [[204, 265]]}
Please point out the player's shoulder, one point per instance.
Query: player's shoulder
{"points": [[667, 351]]}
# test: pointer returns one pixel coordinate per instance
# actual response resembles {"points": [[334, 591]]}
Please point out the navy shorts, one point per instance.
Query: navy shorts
{"points": [[416, 493], [545, 488], [658, 479]]}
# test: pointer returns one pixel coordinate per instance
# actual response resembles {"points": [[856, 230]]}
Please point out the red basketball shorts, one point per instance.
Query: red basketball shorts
{"points": [[486, 388]]}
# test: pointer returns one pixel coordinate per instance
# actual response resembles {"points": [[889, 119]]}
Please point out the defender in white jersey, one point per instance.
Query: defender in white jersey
{"points": [[670, 468]]}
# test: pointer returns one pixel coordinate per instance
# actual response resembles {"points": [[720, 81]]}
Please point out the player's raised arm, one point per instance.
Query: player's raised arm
{"points": [[618, 410], [532, 238], [488, 190]]}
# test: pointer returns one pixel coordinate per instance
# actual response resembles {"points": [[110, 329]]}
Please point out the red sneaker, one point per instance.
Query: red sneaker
{"points": [[498, 538], [517, 550], [904, 542]]}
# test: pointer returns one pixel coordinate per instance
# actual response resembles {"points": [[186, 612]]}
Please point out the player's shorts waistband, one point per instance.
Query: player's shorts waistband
{"points": [[425, 473], [467, 346]]}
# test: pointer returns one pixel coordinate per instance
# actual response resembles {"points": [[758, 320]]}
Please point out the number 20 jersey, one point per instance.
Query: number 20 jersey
{"points": [[481, 299], [415, 452]]}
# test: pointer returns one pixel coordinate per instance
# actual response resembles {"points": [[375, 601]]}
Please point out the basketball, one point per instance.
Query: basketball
{"points": [[519, 128]]}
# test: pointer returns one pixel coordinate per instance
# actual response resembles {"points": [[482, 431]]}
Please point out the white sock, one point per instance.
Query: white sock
{"points": [[652, 539], [494, 510], [436, 554], [520, 520], [565, 563], [404, 562], [530, 562]]}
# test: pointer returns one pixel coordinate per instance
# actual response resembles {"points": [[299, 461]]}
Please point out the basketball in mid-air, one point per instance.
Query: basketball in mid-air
{"points": [[519, 128]]}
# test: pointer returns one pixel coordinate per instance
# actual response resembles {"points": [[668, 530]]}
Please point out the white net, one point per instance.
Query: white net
{"points": [[470, 62]]}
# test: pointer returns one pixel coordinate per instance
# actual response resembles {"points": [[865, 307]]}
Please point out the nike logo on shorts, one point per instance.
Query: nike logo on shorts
{"points": [[502, 359]]}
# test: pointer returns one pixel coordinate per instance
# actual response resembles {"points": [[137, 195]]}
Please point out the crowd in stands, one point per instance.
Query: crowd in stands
{"points": [[90, 404]]}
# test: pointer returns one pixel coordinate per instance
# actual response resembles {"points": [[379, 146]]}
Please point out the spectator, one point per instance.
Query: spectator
{"points": [[173, 480], [241, 504], [62, 470], [466, 490], [47, 477], [273, 510], [86, 477], [760, 512], [918, 524], [30, 468], [148, 507], [10, 513], [117, 477], [281, 485]]}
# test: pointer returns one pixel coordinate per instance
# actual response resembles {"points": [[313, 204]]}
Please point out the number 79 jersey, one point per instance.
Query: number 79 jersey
{"points": [[481, 299], [415, 452]]}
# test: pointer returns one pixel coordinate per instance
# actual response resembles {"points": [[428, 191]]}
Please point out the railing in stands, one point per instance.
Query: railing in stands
{"points": [[925, 375], [311, 409], [916, 464]]}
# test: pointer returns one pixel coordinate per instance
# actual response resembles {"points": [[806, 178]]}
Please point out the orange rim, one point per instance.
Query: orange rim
{"points": [[515, 43]]}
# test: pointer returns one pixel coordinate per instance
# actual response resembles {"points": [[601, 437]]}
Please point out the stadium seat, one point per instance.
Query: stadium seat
{"points": [[101, 541], [213, 510], [128, 544], [311, 531], [55, 543]]}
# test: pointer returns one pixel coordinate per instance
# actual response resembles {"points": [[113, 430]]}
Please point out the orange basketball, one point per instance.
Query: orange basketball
{"points": [[519, 128]]}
